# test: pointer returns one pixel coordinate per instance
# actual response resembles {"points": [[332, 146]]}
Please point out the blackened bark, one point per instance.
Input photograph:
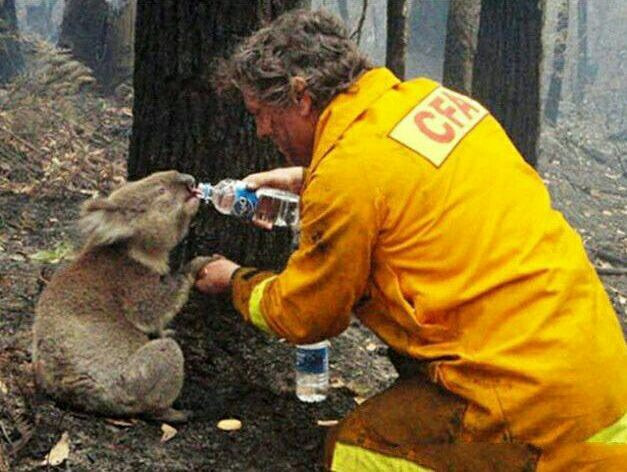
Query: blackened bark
{"points": [[396, 37], [101, 37], [462, 26], [506, 74], [554, 94], [180, 122], [11, 61]]}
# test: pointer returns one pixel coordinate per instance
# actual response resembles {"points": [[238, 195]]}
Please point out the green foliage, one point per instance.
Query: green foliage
{"points": [[61, 251]]}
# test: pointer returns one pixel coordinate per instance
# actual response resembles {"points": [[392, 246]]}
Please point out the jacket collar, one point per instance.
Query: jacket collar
{"points": [[346, 107]]}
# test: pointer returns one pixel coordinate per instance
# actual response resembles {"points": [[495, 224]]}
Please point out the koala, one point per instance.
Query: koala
{"points": [[100, 341]]}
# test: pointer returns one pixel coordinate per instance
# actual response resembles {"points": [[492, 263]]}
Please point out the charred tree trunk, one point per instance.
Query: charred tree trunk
{"points": [[554, 94], [100, 35], [396, 37], [179, 122], [506, 73], [11, 61], [582, 50], [462, 26]]}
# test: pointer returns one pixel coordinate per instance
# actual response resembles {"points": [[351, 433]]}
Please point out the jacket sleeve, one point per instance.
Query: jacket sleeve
{"points": [[312, 298]]}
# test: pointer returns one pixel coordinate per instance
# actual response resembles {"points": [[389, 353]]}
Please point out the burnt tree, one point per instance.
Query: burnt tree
{"points": [[180, 122], [506, 73], [100, 35], [11, 61], [462, 26], [396, 48], [554, 94]]}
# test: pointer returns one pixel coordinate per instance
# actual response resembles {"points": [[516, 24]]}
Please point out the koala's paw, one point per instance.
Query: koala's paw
{"points": [[198, 263], [167, 333], [170, 415]]}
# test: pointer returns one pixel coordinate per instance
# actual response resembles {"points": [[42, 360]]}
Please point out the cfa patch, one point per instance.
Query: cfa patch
{"points": [[438, 123]]}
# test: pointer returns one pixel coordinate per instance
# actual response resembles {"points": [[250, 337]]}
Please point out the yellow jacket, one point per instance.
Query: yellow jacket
{"points": [[420, 216]]}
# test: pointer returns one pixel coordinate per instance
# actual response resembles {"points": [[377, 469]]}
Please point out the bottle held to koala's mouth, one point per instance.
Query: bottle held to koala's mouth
{"points": [[269, 205]]}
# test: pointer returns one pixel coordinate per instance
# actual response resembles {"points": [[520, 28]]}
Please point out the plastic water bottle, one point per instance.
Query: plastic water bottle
{"points": [[312, 371], [233, 197]]}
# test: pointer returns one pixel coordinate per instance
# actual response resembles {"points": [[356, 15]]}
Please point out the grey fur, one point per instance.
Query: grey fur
{"points": [[91, 344]]}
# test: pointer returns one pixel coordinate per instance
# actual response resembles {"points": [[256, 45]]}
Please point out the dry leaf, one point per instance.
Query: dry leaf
{"points": [[370, 347], [359, 400], [327, 422], [3, 387], [59, 452], [230, 424], [168, 432], [337, 382]]}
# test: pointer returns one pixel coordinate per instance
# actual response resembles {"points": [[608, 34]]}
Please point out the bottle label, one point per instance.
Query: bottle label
{"points": [[312, 361], [245, 202]]}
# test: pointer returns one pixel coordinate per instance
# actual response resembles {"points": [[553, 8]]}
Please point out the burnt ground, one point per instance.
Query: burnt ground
{"points": [[232, 371]]}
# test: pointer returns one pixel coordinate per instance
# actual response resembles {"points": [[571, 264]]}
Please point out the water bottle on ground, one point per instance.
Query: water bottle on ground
{"points": [[312, 371], [233, 197]]}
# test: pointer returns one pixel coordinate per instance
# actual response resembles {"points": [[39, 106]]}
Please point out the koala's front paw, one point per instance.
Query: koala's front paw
{"points": [[167, 333], [198, 263]]}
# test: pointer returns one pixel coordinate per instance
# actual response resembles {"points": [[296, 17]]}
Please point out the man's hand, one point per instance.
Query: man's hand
{"points": [[283, 178], [215, 277]]}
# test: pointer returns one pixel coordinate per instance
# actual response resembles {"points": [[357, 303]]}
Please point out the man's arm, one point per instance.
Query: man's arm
{"points": [[313, 297]]}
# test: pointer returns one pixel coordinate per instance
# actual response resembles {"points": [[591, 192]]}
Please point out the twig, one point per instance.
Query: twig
{"points": [[611, 270], [609, 257], [357, 33], [615, 290]]}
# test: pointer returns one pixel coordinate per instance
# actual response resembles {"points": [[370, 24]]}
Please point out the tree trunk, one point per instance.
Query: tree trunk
{"points": [[396, 37], [11, 61], [100, 35], [117, 62], [461, 44], [506, 74], [554, 94], [179, 122], [582, 51]]}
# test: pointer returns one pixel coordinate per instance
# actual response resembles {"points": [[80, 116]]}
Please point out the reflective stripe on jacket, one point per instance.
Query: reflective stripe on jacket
{"points": [[450, 252]]}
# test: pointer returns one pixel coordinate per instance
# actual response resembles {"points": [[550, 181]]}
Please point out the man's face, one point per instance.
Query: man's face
{"points": [[291, 128]]}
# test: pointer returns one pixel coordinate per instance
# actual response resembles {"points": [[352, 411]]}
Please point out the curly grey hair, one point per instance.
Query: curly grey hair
{"points": [[300, 43]]}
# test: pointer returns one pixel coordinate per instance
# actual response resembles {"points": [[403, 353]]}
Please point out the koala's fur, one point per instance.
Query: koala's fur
{"points": [[92, 344]]}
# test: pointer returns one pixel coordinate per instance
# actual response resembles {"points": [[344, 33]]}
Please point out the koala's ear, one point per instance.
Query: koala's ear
{"points": [[103, 223]]}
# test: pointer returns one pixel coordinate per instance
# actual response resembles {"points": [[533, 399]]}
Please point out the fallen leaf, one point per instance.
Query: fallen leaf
{"points": [[337, 382], [3, 388], [168, 432], [359, 400], [622, 300], [59, 452], [370, 347], [327, 422], [230, 424]]}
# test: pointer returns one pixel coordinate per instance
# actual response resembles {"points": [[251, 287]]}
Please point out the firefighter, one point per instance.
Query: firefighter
{"points": [[419, 216]]}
